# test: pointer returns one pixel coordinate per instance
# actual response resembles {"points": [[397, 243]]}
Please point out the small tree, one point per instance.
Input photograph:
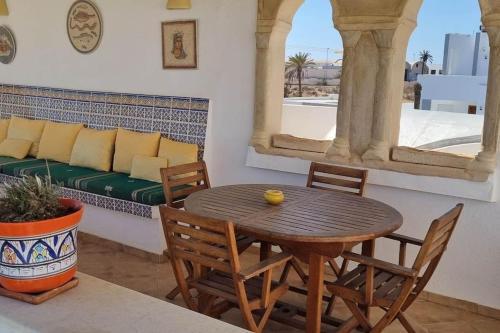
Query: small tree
{"points": [[294, 68], [425, 57]]}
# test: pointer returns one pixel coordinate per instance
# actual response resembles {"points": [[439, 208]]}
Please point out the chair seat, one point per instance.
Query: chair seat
{"points": [[386, 286], [221, 284]]}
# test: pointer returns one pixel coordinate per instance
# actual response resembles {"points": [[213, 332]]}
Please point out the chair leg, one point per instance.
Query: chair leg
{"points": [[176, 291], [406, 324], [348, 326], [330, 306], [286, 271], [173, 293], [265, 317], [358, 314]]}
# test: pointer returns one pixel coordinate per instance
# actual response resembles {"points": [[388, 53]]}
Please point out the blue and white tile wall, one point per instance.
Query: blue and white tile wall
{"points": [[178, 118]]}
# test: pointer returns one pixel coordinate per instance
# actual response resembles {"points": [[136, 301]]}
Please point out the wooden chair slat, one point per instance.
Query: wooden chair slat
{"points": [[338, 170], [205, 248], [186, 191], [336, 182], [187, 180], [200, 234], [203, 260]]}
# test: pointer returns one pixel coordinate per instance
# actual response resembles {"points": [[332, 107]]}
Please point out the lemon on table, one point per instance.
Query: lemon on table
{"points": [[274, 197]]}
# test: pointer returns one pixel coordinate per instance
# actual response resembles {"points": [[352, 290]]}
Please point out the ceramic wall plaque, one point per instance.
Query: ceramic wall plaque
{"points": [[179, 44], [7, 45], [84, 26]]}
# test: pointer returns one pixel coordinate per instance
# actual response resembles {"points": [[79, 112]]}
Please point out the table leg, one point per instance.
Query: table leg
{"points": [[315, 293], [265, 250], [368, 249]]}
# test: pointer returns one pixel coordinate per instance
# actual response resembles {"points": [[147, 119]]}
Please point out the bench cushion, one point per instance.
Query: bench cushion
{"points": [[110, 184]]}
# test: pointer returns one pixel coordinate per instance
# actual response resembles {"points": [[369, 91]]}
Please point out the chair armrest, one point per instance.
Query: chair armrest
{"points": [[405, 239], [380, 264], [264, 265]]}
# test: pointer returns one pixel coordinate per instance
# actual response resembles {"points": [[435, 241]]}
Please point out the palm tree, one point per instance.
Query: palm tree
{"points": [[294, 68], [425, 57]]}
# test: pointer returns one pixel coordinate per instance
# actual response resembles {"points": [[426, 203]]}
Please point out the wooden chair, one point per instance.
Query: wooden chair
{"points": [[181, 181], [210, 246], [332, 178], [377, 283]]}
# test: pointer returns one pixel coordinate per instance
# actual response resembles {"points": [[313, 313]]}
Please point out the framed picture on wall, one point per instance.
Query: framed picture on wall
{"points": [[180, 49]]}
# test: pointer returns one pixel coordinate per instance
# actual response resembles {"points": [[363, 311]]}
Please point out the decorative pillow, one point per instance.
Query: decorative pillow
{"points": [[148, 168], [130, 143], [94, 149], [27, 129], [17, 148], [57, 141], [178, 153], [4, 128]]}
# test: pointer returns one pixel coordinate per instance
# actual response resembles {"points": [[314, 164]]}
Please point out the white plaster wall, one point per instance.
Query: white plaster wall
{"points": [[129, 60], [483, 54], [312, 122], [460, 54], [467, 88]]}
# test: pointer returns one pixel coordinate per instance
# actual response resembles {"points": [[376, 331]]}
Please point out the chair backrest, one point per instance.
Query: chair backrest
{"points": [[332, 177], [206, 243], [433, 247], [182, 180]]}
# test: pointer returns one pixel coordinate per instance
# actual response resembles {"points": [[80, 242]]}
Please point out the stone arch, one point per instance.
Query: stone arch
{"points": [[366, 132], [274, 22]]}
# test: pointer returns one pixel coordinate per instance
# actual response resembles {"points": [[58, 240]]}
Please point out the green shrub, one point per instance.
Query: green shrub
{"points": [[31, 199]]}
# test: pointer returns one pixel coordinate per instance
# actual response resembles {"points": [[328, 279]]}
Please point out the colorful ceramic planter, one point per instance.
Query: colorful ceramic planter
{"points": [[42, 255]]}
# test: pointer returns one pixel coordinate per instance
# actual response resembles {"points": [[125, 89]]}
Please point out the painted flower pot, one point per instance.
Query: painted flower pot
{"points": [[42, 255]]}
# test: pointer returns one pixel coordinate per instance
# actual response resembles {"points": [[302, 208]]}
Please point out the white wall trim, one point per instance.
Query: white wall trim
{"points": [[482, 191]]}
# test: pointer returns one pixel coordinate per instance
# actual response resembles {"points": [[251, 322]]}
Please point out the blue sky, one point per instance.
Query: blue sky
{"points": [[313, 30]]}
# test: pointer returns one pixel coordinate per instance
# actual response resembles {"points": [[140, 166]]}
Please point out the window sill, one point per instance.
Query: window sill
{"points": [[292, 161]]}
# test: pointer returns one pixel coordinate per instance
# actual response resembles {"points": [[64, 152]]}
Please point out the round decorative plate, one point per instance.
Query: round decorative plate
{"points": [[7, 45], [84, 26]]}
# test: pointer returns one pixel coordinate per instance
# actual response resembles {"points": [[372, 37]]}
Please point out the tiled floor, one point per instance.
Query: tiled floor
{"points": [[157, 279]]}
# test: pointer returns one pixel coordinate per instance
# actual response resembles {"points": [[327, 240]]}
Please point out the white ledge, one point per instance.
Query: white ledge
{"points": [[483, 191]]}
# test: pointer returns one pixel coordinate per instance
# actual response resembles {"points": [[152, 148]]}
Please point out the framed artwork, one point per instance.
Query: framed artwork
{"points": [[7, 45], [84, 26], [180, 49]]}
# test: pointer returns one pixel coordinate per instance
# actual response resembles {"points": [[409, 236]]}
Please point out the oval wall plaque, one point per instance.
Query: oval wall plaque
{"points": [[7, 45], [84, 26]]}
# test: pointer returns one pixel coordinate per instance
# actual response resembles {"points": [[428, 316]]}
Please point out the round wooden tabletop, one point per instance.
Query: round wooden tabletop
{"points": [[306, 215]]}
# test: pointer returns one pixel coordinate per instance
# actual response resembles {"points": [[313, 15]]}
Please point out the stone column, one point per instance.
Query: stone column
{"points": [[340, 146], [486, 160], [379, 145], [271, 37]]}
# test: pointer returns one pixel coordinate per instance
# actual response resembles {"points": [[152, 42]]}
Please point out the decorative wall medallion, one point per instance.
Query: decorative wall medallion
{"points": [[84, 26], [7, 45], [179, 44]]}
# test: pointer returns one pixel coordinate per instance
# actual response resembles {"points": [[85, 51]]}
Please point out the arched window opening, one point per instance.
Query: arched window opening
{"points": [[446, 76], [313, 66]]}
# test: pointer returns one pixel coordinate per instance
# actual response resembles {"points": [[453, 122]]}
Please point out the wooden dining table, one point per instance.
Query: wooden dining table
{"points": [[313, 224]]}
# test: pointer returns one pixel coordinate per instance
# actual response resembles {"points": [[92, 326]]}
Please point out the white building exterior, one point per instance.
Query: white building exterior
{"points": [[464, 80]]}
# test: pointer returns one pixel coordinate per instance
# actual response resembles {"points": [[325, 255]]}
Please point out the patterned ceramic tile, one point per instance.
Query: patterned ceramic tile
{"points": [[179, 118]]}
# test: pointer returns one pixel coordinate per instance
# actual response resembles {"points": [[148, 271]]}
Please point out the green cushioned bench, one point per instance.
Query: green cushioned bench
{"points": [[109, 184]]}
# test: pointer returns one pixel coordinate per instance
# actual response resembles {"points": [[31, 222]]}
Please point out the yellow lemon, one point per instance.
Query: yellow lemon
{"points": [[274, 197]]}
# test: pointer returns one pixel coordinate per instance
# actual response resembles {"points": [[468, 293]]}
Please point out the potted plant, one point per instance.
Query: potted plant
{"points": [[38, 235]]}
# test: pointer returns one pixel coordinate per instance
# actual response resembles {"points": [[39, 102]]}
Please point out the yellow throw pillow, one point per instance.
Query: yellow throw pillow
{"points": [[26, 129], [130, 143], [94, 149], [57, 141], [17, 148], [148, 168], [178, 153], [4, 128]]}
